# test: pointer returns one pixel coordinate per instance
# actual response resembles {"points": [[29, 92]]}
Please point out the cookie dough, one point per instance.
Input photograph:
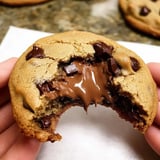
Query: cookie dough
{"points": [[79, 68], [143, 15]]}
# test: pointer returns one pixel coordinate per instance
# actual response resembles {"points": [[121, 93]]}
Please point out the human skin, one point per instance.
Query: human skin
{"points": [[13, 144], [153, 133]]}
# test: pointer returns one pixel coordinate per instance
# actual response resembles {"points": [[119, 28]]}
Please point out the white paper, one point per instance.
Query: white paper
{"points": [[17, 40], [98, 134]]}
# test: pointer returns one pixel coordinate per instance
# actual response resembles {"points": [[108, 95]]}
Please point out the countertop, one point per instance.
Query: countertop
{"points": [[98, 16]]}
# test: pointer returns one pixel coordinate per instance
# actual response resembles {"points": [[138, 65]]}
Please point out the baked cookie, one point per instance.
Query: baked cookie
{"points": [[143, 15], [79, 68], [21, 2]]}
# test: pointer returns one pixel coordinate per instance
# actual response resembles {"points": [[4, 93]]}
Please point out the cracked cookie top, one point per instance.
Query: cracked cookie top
{"points": [[79, 68]]}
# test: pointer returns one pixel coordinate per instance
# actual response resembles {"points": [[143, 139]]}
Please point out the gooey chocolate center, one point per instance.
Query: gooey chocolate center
{"points": [[85, 81], [88, 84]]}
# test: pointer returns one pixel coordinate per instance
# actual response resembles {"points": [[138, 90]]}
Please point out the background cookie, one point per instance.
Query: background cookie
{"points": [[79, 68], [21, 2], [143, 15]]}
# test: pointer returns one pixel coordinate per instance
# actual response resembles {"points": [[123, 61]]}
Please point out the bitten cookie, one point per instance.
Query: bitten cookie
{"points": [[143, 15], [21, 2], [79, 68]]}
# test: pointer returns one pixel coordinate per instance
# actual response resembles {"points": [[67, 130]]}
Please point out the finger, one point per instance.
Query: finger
{"points": [[157, 118], [4, 95], [8, 138], [5, 70], [155, 71], [153, 138], [25, 148], [159, 94], [6, 118]]}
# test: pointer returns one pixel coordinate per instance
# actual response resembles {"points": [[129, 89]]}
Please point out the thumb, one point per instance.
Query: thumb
{"points": [[155, 71], [5, 70]]}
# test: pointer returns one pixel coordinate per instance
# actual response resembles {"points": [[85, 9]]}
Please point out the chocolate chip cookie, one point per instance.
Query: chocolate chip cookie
{"points": [[79, 68], [143, 15], [21, 2]]}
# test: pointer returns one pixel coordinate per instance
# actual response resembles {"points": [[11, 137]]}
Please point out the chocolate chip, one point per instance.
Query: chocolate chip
{"points": [[45, 122], [45, 87], [154, 0], [36, 52], [113, 67], [102, 50], [135, 64], [144, 11], [26, 106], [70, 69], [65, 100], [128, 109]]}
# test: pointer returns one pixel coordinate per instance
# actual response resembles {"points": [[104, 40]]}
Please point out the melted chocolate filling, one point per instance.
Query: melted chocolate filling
{"points": [[44, 122], [85, 81]]}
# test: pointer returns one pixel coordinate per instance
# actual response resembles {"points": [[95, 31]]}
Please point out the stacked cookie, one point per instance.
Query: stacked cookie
{"points": [[143, 15]]}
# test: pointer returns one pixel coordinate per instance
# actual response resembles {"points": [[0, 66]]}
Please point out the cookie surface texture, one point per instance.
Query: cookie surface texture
{"points": [[79, 68], [21, 2], [143, 15]]}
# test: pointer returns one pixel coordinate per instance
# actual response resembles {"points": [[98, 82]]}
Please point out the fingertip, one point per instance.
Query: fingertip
{"points": [[153, 64], [24, 148], [5, 70], [152, 136], [154, 68], [10, 60], [157, 118], [32, 144]]}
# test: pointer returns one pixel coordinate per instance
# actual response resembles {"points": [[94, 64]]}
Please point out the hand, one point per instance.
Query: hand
{"points": [[153, 133], [13, 145]]}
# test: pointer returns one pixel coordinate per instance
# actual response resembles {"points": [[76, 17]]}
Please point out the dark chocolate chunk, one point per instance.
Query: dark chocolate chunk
{"points": [[144, 11], [65, 100], [36, 52], [135, 64], [70, 69], [45, 122], [26, 106], [45, 87], [154, 0], [127, 108], [102, 50], [113, 67]]}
